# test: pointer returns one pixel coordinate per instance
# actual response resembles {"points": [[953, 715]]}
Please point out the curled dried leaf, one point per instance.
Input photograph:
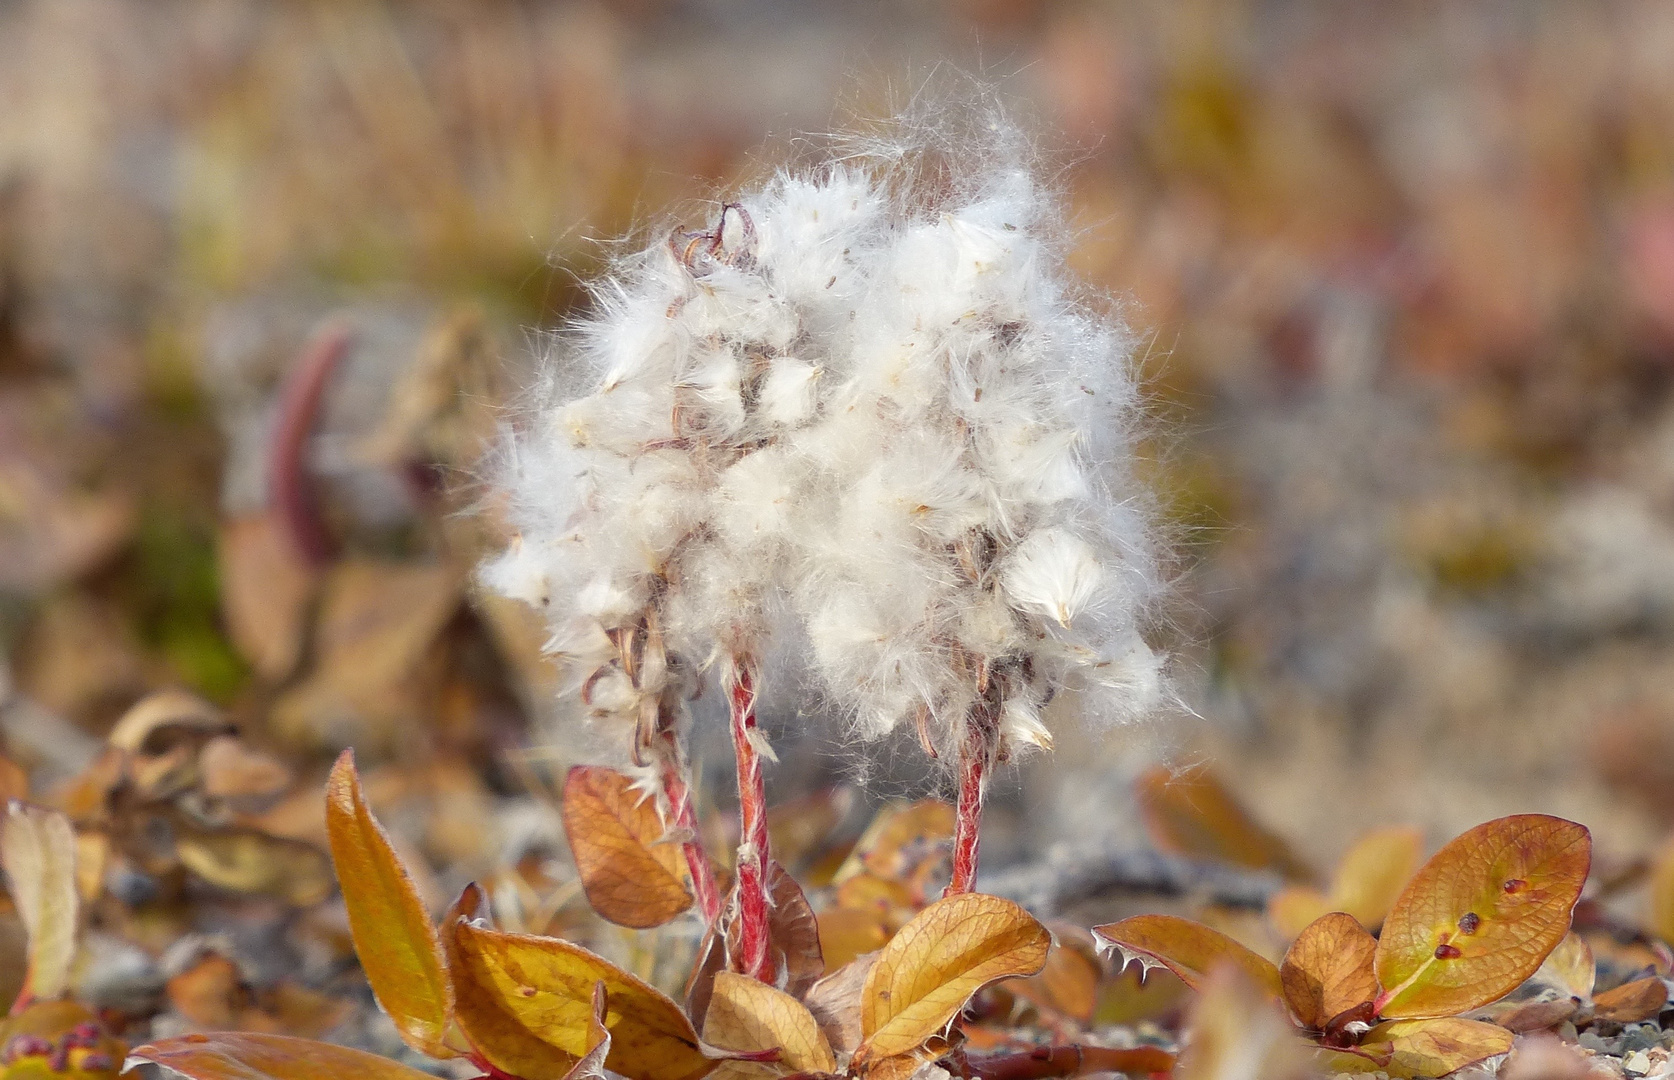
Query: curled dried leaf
{"points": [[397, 944], [1189, 949], [1481, 916], [632, 874], [927, 972], [835, 1002]]}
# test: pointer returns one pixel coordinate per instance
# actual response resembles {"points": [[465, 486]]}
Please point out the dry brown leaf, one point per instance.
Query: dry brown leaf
{"points": [[231, 1055], [544, 988], [1481, 916], [232, 770], [1190, 950], [398, 946], [205, 993], [1192, 813], [746, 1015], [632, 872], [1328, 970], [1534, 1015], [794, 932], [38, 852], [834, 1002], [1662, 893], [248, 861], [927, 972], [1632, 1002], [1370, 877], [267, 587]]}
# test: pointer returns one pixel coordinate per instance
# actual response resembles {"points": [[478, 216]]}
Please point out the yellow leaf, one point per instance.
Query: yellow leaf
{"points": [[393, 935], [1293, 907], [38, 852], [1328, 970], [1570, 967], [251, 861], [927, 972], [62, 1030], [1632, 1002], [1236, 1030], [515, 988], [1191, 813], [1481, 915], [632, 874], [748, 1015], [900, 837], [1434, 1047], [846, 933], [1662, 893], [231, 1055], [1188, 949], [1369, 878]]}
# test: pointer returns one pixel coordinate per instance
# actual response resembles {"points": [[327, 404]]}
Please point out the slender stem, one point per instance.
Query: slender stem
{"points": [[1056, 1061], [756, 958], [976, 757], [684, 817], [291, 489]]}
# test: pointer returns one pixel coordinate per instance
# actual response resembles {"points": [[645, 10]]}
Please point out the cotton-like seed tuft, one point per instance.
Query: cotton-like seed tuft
{"points": [[868, 397]]}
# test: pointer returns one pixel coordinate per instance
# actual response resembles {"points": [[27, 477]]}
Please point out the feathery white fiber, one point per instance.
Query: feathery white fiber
{"points": [[872, 399]]}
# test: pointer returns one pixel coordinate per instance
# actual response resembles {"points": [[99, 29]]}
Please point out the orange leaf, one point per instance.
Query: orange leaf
{"points": [[1188, 949], [1369, 878], [927, 972], [1662, 893], [631, 872], [393, 935], [1433, 1047], [14, 782], [1328, 970], [1190, 813], [1069, 983], [902, 836], [231, 1055], [522, 989], [1632, 1002], [846, 933], [1481, 915]]}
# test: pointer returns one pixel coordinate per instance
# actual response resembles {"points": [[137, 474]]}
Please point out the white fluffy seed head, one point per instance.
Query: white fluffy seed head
{"points": [[868, 396]]}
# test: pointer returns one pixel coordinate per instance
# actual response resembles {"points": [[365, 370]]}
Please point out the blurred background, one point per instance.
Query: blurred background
{"points": [[271, 275]]}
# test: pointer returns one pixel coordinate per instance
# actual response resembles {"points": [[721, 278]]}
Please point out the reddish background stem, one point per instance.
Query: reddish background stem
{"points": [[292, 494], [1054, 1061]]}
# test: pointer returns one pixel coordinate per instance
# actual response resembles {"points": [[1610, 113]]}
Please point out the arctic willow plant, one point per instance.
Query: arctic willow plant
{"points": [[868, 400]]}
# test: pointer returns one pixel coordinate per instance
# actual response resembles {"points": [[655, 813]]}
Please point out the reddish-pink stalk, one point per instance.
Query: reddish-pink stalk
{"points": [[292, 494], [755, 956], [679, 795], [977, 750]]}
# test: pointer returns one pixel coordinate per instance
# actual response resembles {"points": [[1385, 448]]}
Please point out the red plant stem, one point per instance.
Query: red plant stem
{"points": [[291, 491], [1055, 1061], [679, 795], [755, 957], [976, 757]]}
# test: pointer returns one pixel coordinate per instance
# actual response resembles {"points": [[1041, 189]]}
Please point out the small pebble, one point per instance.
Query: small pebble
{"points": [[1640, 1036], [1637, 1063], [1597, 1043]]}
